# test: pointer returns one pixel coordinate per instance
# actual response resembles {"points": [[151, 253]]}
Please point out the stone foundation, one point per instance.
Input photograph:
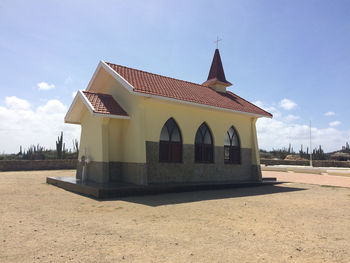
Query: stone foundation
{"points": [[186, 172], [135, 173], [102, 172], [28, 165]]}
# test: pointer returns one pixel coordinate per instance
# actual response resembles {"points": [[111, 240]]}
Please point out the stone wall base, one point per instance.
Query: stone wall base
{"points": [[186, 172], [103, 172], [28, 165]]}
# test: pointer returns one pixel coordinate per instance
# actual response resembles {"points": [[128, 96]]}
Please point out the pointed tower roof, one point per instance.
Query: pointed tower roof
{"points": [[216, 73]]}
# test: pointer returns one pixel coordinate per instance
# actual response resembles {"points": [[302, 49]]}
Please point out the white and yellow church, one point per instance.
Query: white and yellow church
{"points": [[142, 128]]}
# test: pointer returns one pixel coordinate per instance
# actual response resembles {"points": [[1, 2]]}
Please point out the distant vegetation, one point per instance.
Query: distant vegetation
{"points": [[317, 154], [38, 152]]}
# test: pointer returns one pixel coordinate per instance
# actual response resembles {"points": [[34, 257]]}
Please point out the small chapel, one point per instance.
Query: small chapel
{"points": [[143, 128]]}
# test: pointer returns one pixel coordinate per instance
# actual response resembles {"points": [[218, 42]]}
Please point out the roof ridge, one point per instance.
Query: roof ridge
{"points": [[157, 74]]}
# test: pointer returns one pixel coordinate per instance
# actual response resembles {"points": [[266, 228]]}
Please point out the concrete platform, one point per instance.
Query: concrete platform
{"points": [[307, 169], [113, 190], [307, 178], [338, 172]]}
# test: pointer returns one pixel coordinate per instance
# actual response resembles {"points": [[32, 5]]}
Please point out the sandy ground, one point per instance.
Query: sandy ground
{"points": [[286, 223]]}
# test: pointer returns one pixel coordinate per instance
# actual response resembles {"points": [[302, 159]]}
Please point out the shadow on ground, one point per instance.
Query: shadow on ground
{"points": [[197, 196]]}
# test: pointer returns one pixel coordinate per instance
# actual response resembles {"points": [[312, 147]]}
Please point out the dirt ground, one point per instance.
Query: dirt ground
{"points": [[284, 223]]}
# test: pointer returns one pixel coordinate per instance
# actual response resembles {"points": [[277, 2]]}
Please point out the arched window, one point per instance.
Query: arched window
{"points": [[204, 148], [170, 143], [232, 147]]}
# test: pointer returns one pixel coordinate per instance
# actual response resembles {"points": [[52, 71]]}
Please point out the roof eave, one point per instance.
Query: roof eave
{"points": [[111, 116], [70, 110], [80, 95]]}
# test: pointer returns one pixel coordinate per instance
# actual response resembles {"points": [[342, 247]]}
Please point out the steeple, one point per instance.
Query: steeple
{"points": [[216, 78]]}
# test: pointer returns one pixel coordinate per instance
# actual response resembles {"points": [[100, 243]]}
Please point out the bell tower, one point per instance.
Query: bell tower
{"points": [[216, 78]]}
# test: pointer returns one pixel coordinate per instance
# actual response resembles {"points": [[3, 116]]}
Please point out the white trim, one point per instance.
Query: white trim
{"points": [[71, 107], [91, 109], [114, 74], [85, 101], [117, 76], [94, 76], [130, 88], [72, 122]]}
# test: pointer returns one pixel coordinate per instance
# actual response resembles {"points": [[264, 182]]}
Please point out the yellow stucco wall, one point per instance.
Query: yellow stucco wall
{"points": [[91, 137], [124, 140], [131, 138], [255, 145], [189, 118]]}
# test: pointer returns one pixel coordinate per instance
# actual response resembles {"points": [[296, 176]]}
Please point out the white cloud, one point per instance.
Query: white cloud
{"points": [[15, 103], [74, 93], [334, 123], [45, 86], [52, 107], [24, 125], [277, 134], [291, 117], [275, 112], [329, 113], [287, 104]]}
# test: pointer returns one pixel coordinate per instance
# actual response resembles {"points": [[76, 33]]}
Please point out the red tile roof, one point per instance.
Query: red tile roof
{"points": [[104, 103], [149, 83]]}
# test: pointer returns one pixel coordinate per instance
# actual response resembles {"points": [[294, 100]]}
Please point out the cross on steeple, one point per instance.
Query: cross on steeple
{"points": [[217, 42]]}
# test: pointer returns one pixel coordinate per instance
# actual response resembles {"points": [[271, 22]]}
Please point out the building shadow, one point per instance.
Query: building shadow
{"points": [[204, 195]]}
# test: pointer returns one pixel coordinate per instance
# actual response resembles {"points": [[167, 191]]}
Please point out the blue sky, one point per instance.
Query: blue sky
{"points": [[289, 57]]}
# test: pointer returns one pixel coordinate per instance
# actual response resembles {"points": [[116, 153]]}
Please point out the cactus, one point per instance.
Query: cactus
{"points": [[64, 150], [34, 153], [76, 146], [60, 146]]}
